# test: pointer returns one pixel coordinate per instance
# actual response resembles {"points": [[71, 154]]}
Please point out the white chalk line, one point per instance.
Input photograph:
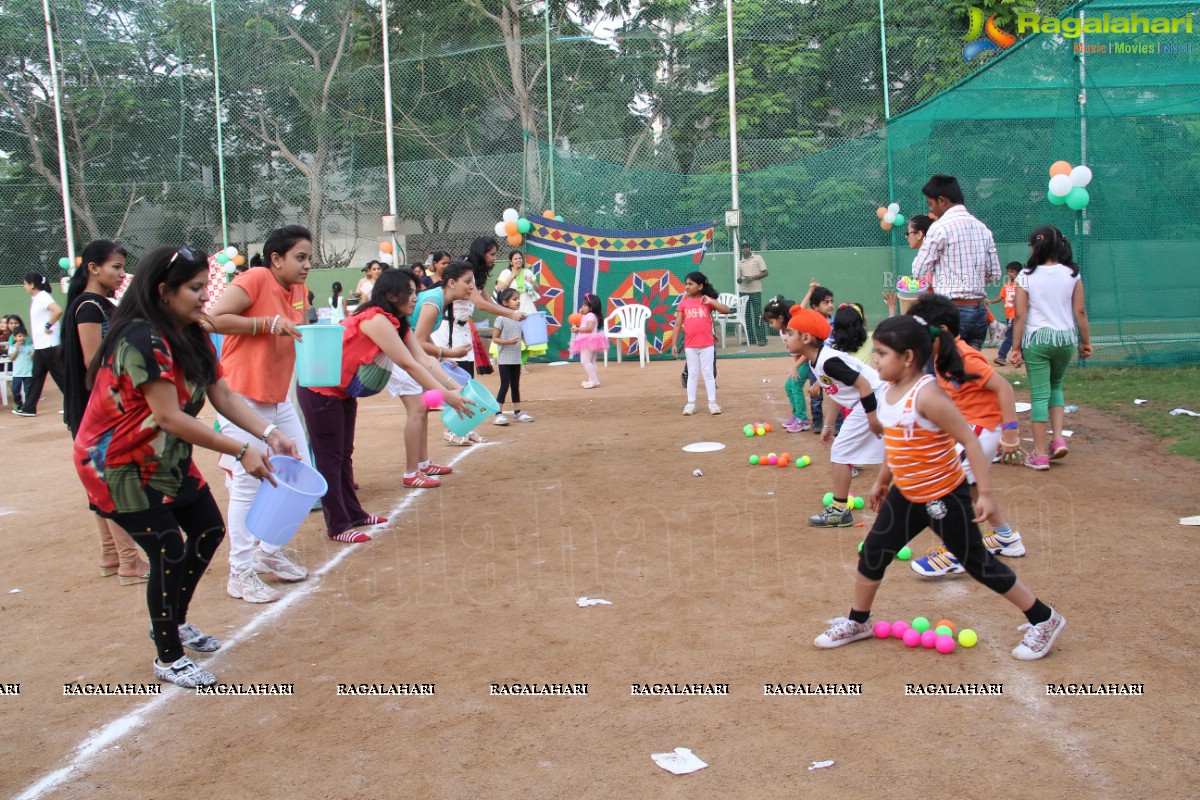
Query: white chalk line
{"points": [[113, 731]]}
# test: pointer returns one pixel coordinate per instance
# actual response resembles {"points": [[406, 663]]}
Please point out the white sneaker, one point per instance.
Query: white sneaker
{"points": [[523, 417], [1010, 546], [1039, 638], [689, 409], [249, 587], [185, 673], [844, 631], [499, 419], [714, 409], [279, 564]]}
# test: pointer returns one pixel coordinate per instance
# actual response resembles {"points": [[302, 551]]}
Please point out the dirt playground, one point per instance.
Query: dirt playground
{"points": [[714, 580]]}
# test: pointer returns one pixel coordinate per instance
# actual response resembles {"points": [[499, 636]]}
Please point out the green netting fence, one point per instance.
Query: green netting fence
{"points": [[640, 134]]}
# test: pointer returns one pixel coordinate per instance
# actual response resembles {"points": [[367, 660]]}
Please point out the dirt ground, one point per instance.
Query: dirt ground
{"points": [[713, 579]]}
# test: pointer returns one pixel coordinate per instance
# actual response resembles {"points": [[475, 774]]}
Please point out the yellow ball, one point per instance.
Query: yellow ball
{"points": [[760, 430], [967, 637]]}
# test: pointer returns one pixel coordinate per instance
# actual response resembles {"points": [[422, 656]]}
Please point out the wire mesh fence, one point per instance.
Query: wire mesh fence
{"points": [[640, 137]]}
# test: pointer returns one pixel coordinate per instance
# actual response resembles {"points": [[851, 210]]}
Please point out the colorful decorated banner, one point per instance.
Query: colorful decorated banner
{"points": [[621, 267]]}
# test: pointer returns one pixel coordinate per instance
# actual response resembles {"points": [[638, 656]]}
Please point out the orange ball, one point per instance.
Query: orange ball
{"points": [[385, 247], [767, 426], [1060, 168], [788, 456], [947, 623], [575, 318]]}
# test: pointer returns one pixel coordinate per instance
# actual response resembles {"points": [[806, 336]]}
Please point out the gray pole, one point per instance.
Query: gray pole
{"points": [[68, 222], [733, 146]]}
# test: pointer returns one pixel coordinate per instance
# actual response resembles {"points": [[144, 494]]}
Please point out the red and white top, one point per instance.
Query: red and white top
{"points": [[921, 456]]}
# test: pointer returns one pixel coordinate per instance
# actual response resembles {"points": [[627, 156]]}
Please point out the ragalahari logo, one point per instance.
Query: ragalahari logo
{"points": [[994, 39]]}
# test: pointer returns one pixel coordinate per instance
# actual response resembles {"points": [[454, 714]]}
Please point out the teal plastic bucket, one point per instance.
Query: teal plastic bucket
{"points": [[486, 406], [277, 511], [319, 355], [535, 330]]}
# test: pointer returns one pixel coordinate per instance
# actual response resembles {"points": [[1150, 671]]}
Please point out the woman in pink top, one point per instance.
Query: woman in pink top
{"points": [[694, 315]]}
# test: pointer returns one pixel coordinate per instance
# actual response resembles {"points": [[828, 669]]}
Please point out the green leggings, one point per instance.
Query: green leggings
{"points": [[1046, 365], [796, 395]]}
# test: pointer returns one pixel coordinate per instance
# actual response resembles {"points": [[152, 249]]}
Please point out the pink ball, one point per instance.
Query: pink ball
{"points": [[432, 398], [883, 629], [929, 639], [911, 638], [772, 460], [945, 644], [899, 628]]}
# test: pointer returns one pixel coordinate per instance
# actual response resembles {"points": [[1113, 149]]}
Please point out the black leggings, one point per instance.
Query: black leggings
{"points": [[47, 361], [900, 521], [510, 376], [176, 565]]}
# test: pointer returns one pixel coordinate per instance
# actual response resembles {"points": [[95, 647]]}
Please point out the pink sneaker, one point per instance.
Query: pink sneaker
{"points": [[1037, 462], [1058, 448]]}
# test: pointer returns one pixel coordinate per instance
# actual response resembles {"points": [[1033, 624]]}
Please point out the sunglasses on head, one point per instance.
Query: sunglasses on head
{"points": [[187, 253]]}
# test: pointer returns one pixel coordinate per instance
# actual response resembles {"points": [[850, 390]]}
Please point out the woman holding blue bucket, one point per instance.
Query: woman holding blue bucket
{"points": [[133, 449], [374, 337], [258, 314]]}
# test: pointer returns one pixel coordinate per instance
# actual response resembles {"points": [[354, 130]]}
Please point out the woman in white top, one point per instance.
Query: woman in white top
{"points": [[362, 292], [44, 316], [337, 304], [525, 282], [1051, 325]]}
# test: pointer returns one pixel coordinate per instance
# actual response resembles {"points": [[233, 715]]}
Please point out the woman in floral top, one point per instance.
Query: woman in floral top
{"points": [[133, 450]]}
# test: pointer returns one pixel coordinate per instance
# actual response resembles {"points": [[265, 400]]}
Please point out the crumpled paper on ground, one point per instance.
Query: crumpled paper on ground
{"points": [[584, 602], [820, 765], [680, 762], [1189, 520], [1182, 412]]}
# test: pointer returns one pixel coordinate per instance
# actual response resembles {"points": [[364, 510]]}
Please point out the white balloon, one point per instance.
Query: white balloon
{"points": [[231, 251], [893, 208], [1081, 176], [889, 218], [1060, 185], [500, 229], [510, 215], [385, 258], [229, 267]]}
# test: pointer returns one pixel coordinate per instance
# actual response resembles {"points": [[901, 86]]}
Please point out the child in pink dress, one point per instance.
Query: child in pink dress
{"points": [[589, 340]]}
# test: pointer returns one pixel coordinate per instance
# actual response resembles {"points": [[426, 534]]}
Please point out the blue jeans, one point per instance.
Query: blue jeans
{"points": [[1006, 345], [973, 325]]}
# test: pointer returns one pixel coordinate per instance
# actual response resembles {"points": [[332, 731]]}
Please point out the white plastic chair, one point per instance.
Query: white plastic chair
{"points": [[629, 322], [735, 317]]}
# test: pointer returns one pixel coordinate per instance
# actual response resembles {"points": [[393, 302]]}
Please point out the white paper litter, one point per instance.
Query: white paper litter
{"points": [[680, 762], [1140, 402], [1023, 407], [1180, 412], [584, 602], [698, 473], [15, 591], [1189, 521], [820, 765], [1068, 434], [558, 363], [1016, 383]]}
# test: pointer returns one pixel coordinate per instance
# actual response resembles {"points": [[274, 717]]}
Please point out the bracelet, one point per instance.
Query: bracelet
{"points": [[242, 452], [439, 354], [1011, 426], [270, 429], [274, 324], [255, 331], [1010, 444]]}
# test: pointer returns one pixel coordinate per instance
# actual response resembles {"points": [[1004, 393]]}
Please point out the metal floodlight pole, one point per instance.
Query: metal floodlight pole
{"points": [[388, 123], [887, 106], [212, 7], [733, 146], [550, 108], [68, 222]]}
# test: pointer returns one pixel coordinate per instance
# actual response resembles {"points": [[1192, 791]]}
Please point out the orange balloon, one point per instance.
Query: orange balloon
{"points": [[385, 247], [1060, 168], [548, 213], [887, 226], [79, 261], [238, 260], [515, 239], [879, 212], [511, 228], [575, 318], [947, 623]]}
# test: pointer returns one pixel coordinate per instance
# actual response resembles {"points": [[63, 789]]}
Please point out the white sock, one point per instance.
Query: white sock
{"points": [[410, 474], [423, 464]]}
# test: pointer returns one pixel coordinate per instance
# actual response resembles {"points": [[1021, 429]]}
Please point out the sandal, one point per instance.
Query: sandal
{"points": [[351, 537], [133, 580], [476, 438], [456, 441]]}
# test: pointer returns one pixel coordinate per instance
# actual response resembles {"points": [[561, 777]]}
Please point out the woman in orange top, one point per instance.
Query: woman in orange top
{"points": [[921, 426]]}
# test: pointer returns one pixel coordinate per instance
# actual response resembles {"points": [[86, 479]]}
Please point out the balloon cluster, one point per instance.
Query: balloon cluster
{"points": [[513, 227], [386, 249], [65, 262], [889, 215], [230, 259], [1067, 185]]}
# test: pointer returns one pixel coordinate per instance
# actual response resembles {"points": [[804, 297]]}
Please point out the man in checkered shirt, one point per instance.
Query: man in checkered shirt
{"points": [[958, 256]]}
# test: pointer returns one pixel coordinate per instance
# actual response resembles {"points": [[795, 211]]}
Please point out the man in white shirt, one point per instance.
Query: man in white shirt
{"points": [[751, 270], [958, 256]]}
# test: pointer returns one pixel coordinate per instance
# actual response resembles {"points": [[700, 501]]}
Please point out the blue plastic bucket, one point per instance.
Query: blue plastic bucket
{"points": [[486, 406], [460, 375], [319, 355], [277, 511], [535, 329]]}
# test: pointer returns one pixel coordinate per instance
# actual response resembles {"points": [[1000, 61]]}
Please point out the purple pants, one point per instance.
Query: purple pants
{"points": [[331, 424]]}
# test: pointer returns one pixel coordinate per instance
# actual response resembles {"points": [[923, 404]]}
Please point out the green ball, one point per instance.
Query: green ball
{"points": [[753, 460], [524, 225], [859, 502], [905, 554], [920, 624], [943, 630], [64, 263], [967, 638], [860, 544], [748, 430], [827, 499]]}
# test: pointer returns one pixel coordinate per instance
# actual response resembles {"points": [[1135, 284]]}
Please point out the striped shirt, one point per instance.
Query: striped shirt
{"points": [[958, 255], [921, 456]]}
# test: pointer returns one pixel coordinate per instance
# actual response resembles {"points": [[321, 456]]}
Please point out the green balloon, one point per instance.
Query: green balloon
{"points": [[1078, 198], [899, 220], [1056, 199], [524, 225], [559, 218], [64, 262], [222, 258]]}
